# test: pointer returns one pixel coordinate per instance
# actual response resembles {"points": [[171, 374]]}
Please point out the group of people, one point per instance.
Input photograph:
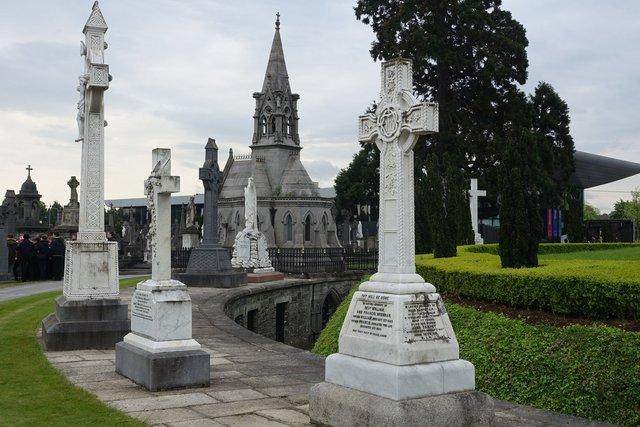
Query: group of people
{"points": [[39, 258]]}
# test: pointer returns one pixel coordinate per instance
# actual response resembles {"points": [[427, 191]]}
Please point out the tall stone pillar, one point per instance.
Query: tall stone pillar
{"points": [[210, 264], [90, 314], [474, 194], [160, 352], [398, 362]]}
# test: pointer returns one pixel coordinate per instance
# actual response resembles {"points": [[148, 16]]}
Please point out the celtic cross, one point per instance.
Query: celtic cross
{"points": [[395, 127]]}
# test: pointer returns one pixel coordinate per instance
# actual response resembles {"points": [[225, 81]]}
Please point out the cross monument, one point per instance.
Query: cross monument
{"points": [[398, 361], [474, 194]]}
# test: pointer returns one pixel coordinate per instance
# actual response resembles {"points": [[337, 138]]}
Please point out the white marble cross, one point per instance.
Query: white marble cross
{"points": [[395, 127], [250, 205], [158, 189], [474, 193]]}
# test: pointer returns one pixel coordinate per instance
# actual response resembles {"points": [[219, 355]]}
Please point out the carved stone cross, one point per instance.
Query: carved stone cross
{"points": [[474, 193], [211, 178], [395, 127], [158, 189]]}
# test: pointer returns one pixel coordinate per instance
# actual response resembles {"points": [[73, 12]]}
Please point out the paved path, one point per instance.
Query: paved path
{"points": [[254, 380], [32, 288]]}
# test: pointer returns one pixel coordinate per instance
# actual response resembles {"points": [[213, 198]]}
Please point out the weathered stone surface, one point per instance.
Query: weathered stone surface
{"points": [[85, 324], [335, 405], [160, 371], [474, 194]]}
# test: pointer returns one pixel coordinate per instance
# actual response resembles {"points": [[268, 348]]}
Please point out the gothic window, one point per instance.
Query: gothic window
{"points": [[307, 228], [237, 220], [272, 125], [263, 126], [325, 223], [288, 228]]}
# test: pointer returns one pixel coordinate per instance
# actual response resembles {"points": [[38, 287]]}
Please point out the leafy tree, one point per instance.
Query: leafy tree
{"points": [[591, 212], [629, 209], [575, 212], [520, 221], [359, 183], [467, 56]]}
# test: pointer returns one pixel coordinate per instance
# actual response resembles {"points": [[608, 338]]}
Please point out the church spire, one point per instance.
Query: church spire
{"points": [[276, 77]]}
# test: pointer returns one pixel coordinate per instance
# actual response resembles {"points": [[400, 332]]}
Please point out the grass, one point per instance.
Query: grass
{"points": [[32, 392], [587, 371], [623, 254]]}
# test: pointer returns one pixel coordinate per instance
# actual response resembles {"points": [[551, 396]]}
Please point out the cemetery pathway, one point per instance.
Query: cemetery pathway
{"points": [[33, 288], [254, 380]]}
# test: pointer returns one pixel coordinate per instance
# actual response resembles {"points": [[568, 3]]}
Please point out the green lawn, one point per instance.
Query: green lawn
{"points": [[32, 392], [592, 372], [624, 254]]}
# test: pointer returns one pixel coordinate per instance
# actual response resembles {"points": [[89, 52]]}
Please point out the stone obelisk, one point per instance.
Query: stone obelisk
{"points": [[160, 352], [398, 361], [210, 264], [90, 314]]}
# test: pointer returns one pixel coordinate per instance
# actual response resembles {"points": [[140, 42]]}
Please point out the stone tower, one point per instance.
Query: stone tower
{"points": [[291, 210]]}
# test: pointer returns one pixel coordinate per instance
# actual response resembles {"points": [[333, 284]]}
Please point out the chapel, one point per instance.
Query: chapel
{"points": [[292, 211]]}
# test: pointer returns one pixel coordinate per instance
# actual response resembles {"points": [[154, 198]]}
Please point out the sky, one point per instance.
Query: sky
{"points": [[185, 70]]}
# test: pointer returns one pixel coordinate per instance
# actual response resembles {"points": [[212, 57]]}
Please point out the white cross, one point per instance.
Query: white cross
{"points": [[158, 189], [395, 127], [474, 193]]}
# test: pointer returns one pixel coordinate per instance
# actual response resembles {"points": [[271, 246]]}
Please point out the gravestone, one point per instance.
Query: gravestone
{"points": [[474, 194], [398, 360], [4, 257], [9, 212], [191, 234], [71, 211], [250, 248], [210, 264], [160, 352], [90, 314]]}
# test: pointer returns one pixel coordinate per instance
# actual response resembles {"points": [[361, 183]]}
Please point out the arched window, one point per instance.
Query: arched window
{"points": [[329, 306], [263, 125], [325, 223], [237, 220], [272, 125], [288, 228], [307, 228]]}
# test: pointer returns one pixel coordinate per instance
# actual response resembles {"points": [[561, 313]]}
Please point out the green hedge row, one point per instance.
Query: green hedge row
{"points": [[568, 295], [556, 248], [591, 372]]}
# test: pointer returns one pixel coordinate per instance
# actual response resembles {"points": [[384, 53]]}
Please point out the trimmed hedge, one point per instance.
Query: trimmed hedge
{"points": [[596, 289], [555, 248], [591, 372]]}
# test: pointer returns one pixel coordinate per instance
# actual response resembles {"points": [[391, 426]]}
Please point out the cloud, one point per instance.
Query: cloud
{"points": [[185, 70]]}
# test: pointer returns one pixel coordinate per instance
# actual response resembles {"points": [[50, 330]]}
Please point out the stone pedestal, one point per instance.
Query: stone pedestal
{"points": [[262, 277], [74, 325], [334, 405], [160, 352], [210, 267]]}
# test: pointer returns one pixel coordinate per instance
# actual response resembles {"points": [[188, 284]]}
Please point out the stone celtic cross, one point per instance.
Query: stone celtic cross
{"points": [[395, 127], [211, 178], [158, 189]]}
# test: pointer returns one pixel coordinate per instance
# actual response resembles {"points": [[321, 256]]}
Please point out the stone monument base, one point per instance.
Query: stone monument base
{"points": [[331, 404], [267, 276], [85, 324], [163, 370], [224, 279]]}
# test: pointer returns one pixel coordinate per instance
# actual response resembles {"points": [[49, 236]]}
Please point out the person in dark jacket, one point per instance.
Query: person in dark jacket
{"points": [[26, 255], [57, 256], [42, 257], [12, 244]]}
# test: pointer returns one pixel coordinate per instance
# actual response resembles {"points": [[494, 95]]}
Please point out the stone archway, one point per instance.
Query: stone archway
{"points": [[329, 306]]}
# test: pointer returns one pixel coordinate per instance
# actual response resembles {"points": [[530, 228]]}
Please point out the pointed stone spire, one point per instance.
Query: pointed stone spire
{"points": [[276, 76], [96, 20]]}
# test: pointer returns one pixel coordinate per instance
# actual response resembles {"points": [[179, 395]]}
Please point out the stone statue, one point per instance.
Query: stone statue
{"points": [[191, 212], [73, 184], [82, 87], [250, 206]]}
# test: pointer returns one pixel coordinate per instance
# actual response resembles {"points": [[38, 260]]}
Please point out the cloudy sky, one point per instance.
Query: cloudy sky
{"points": [[184, 70]]}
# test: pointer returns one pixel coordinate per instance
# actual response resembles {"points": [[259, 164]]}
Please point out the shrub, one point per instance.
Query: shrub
{"points": [[597, 289]]}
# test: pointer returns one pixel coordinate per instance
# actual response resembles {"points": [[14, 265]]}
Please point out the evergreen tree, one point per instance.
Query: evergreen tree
{"points": [[551, 122], [575, 215], [467, 56], [520, 221], [359, 183]]}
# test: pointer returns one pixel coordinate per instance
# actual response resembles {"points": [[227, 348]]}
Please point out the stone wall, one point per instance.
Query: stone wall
{"points": [[293, 312]]}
